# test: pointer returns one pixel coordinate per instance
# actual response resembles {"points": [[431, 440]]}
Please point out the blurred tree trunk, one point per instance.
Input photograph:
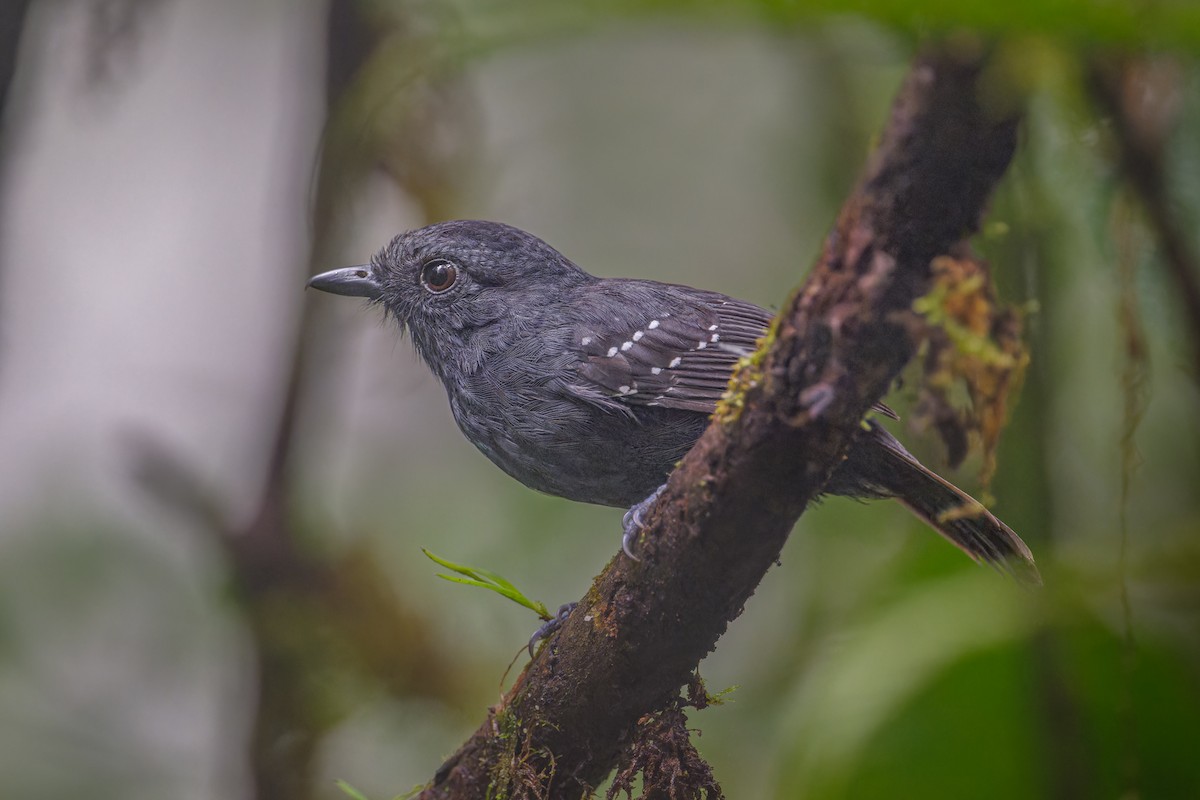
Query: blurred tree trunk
{"points": [[12, 23]]}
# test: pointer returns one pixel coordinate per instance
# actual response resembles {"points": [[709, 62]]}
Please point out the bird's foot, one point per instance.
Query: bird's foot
{"points": [[632, 522], [551, 625]]}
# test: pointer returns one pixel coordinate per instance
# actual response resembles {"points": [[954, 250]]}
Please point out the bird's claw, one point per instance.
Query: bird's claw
{"points": [[632, 522], [551, 625]]}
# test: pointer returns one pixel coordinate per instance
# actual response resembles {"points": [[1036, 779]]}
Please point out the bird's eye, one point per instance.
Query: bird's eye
{"points": [[438, 275]]}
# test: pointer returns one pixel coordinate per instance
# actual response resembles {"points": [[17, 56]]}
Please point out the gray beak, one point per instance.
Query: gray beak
{"points": [[351, 281]]}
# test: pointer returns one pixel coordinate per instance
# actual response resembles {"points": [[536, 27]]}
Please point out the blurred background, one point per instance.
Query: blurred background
{"points": [[214, 487]]}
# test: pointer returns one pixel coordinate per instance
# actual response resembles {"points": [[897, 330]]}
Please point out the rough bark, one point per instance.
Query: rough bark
{"points": [[643, 627]]}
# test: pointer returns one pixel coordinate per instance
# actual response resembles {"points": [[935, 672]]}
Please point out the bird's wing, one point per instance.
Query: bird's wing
{"points": [[680, 359]]}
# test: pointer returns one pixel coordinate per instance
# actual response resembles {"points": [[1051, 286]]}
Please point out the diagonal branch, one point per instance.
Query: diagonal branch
{"points": [[643, 626]]}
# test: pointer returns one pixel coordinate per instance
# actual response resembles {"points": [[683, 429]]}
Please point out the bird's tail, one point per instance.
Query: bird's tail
{"points": [[881, 464]]}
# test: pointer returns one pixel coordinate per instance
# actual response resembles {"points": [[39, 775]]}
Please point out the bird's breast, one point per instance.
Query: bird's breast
{"points": [[552, 442]]}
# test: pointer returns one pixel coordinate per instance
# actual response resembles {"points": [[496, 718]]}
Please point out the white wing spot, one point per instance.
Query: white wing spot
{"points": [[653, 324], [674, 362], [623, 389], [626, 345], [637, 335], [712, 327], [585, 341], [612, 351], [701, 345], [716, 337], [655, 370]]}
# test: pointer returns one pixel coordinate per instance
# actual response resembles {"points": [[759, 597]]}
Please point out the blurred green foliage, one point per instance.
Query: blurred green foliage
{"points": [[1172, 24]]}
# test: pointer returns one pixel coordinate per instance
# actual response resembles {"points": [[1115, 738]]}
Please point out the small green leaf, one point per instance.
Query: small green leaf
{"points": [[485, 579], [496, 579], [351, 792]]}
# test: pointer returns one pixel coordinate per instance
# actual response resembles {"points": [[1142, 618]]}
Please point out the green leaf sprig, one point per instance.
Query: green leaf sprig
{"points": [[485, 579]]}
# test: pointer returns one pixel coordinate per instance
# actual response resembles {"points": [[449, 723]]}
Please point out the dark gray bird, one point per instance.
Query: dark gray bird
{"points": [[593, 388]]}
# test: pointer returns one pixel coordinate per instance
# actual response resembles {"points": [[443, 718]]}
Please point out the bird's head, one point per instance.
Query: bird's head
{"points": [[462, 289]]}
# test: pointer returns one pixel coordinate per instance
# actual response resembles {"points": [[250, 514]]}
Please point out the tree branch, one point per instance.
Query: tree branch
{"points": [[840, 341]]}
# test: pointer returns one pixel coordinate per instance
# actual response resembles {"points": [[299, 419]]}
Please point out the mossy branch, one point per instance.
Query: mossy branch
{"points": [[640, 631]]}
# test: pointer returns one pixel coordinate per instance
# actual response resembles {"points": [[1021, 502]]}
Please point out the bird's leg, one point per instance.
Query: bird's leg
{"points": [[632, 521], [551, 625]]}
